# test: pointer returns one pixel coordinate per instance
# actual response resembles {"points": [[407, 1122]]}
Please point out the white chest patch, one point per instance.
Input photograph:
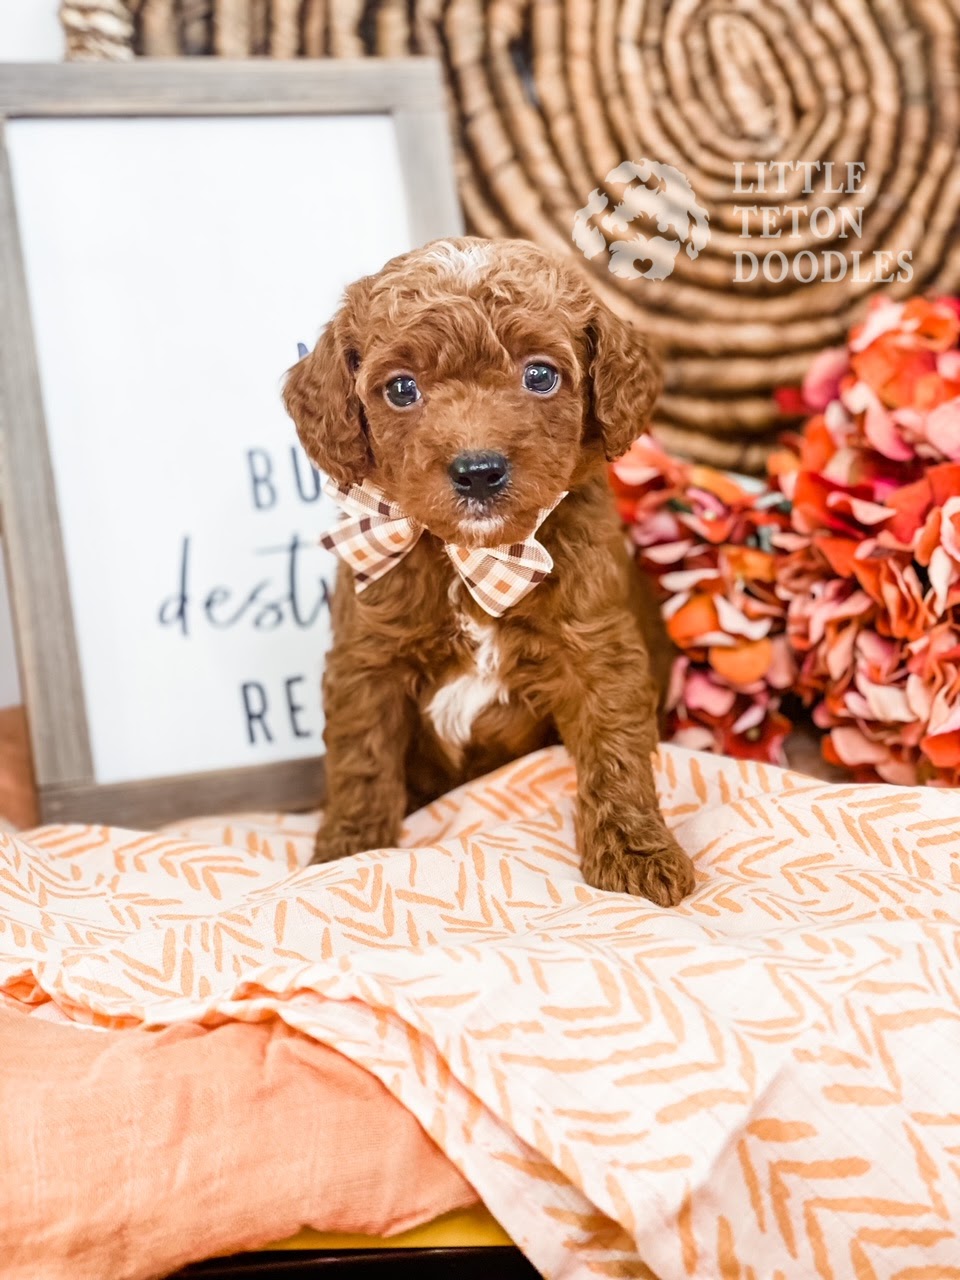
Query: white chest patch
{"points": [[456, 705]]}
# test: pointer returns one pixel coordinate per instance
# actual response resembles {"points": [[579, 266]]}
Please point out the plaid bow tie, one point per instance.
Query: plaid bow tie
{"points": [[373, 535]]}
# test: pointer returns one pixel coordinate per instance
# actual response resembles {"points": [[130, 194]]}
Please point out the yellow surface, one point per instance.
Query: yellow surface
{"points": [[462, 1228]]}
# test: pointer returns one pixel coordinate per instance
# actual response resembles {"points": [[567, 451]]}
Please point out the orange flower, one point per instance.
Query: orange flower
{"points": [[943, 749], [910, 505], [935, 325], [744, 663], [707, 539], [720, 485], [645, 463], [871, 568], [838, 552], [944, 481], [817, 446], [693, 620], [821, 504], [890, 579], [749, 563], [933, 389], [942, 745], [782, 468], [892, 369], [763, 741]]}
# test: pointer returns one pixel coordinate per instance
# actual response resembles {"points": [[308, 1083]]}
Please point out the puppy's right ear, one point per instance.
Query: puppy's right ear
{"points": [[320, 394]]}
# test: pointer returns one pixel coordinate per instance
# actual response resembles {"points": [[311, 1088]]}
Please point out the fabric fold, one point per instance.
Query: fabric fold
{"points": [[754, 1078]]}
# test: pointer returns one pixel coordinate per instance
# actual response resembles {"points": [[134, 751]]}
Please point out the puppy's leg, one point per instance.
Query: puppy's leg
{"points": [[368, 719], [605, 708]]}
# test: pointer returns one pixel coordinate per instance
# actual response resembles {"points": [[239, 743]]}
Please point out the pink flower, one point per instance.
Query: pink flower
{"points": [[702, 692], [883, 317], [822, 383], [942, 429], [878, 423]]}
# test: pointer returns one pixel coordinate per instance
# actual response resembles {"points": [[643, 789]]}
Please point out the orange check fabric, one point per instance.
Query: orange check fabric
{"points": [[373, 535], [761, 1083]]}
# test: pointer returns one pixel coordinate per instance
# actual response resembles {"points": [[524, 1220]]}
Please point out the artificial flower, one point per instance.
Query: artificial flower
{"points": [[707, 539], [870, 570]]}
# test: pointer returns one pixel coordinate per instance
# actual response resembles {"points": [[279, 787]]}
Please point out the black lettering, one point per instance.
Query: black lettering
{"points": [[217, 596], [255, 707], [220, 595], [299, 614], [173, 611], [293, 579], [270, 616], [295, 708], [293, 594], [262, 488], [310, 491]]}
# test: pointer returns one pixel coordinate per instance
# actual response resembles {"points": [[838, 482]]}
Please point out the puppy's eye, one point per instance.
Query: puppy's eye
{"points": [[540, 378], [402, 391]]}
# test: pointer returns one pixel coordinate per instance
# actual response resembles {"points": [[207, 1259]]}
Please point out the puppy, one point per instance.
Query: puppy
{"points": [[464, 403]]}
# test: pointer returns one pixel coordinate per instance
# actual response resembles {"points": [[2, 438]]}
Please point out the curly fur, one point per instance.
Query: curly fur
{"points": [[581, 656]]}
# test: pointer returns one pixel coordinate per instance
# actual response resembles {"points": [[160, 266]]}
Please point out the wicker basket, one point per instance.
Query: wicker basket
{"points": [[548, 97]]}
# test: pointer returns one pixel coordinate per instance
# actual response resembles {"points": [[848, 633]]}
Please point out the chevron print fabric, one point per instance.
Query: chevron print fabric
{"points": [[761, 1084]]}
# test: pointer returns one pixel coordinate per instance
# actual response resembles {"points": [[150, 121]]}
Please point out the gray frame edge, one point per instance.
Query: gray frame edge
{"points": [[292, 785], [411, 91], [220, 86], [426, 152], [30, 521]]}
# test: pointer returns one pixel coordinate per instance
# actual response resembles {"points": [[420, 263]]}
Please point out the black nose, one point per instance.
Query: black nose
{"points": [[479, 475]]}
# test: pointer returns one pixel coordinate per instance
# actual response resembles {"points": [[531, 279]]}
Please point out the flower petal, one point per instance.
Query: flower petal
{"points": [[878, 425], [695, 737], [738, 624], [943, 429], [869, 513], [696, 617], [667, 553], [684, 579], [703, 694], [887, 703], [853, 747], [750, 718], [942, 749], [743, 664], [943, 573], [883, 316], [822, 383]]}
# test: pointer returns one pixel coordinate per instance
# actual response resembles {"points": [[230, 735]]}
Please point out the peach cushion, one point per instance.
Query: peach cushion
{"points": [[131, 1153]]}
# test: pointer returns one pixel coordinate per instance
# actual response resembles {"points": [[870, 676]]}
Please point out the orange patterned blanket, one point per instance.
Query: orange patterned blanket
{"points": [[761, 1081]]}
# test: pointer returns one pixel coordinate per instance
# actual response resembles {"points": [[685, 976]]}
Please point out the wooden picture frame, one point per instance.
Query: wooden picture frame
{"points": [[411, 92]]}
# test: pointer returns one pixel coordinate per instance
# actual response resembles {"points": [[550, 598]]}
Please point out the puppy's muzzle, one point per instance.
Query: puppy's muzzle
{"points": [[479, 476]]}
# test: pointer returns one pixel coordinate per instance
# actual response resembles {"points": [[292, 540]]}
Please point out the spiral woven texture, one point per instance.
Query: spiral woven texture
{"points": [[548, 97]]}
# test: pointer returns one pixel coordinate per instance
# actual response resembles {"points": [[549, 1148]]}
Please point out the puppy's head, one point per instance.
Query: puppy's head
{"points": [[473, 381]]}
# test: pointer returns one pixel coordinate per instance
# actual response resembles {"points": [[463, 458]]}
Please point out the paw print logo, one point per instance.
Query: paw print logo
{"points": [[653, 195]]}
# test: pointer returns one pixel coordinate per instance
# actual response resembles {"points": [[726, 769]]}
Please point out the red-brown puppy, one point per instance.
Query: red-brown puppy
{"points": [[473, 383]]}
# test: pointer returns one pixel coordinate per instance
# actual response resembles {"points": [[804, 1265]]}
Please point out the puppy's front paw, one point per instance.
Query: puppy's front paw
{"points": [[335, 840], [664, 875]]}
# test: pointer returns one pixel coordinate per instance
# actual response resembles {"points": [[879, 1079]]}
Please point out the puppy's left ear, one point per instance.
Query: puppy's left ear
{"points": [[625, 377]]}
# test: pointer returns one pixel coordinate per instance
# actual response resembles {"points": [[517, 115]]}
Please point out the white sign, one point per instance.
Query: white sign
{"points": [[172, 267]]}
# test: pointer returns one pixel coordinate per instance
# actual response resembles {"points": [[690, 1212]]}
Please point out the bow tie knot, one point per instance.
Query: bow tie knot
{"points": [[373, 535]]}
